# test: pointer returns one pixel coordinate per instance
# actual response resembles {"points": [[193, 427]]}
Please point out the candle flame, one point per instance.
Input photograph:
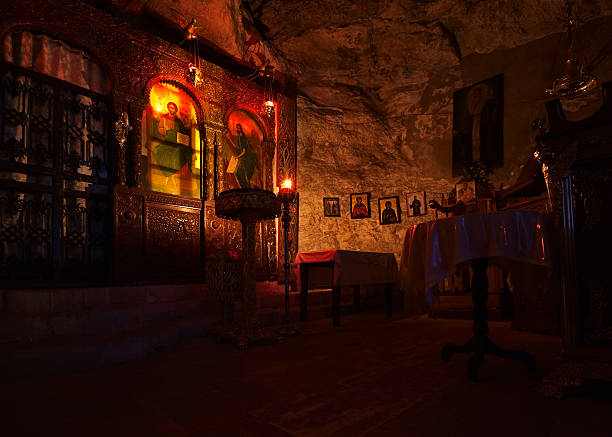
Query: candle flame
{"points": [[286, 184]]}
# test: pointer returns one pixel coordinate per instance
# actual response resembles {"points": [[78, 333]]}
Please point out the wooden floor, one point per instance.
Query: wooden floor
{"points": [[368, 377]]}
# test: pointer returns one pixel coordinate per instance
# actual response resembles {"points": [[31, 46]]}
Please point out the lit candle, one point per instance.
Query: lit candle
{"points": [[286, 185], [286, 192]]}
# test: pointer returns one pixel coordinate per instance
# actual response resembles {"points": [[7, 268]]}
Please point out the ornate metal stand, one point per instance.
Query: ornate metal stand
{"points": [[480, 344], [286, 196], [248, 206], [122, 130]]}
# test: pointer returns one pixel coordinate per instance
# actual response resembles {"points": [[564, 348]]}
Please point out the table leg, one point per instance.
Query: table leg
{"points": [[336, 304], [388, 299], [480, 344], [356, 298], [304, 293]]}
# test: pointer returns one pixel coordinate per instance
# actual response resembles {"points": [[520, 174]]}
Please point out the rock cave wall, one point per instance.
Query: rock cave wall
{"points": [[406, 146]]}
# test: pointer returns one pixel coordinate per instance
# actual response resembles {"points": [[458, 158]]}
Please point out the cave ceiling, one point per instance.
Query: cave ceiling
{"points": [[373, 55]]}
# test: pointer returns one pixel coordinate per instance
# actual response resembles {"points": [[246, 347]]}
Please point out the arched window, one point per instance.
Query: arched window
{"points": [[55, 58], [54, 167]]}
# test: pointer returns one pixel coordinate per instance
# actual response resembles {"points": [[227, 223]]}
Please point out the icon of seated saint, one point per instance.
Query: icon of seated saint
{"points": [[174, 153]]}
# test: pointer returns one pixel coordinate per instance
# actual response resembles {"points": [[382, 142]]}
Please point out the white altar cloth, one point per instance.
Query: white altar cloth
{"points": [[432, 250]]}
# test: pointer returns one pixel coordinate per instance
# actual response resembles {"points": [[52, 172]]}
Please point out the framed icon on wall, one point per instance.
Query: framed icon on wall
{"points": [[360, 205], [331, 207], [466, 192], [389, 211], [416, 203]]}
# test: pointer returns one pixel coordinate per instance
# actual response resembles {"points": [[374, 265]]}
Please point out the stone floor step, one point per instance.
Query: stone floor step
{"points": [[103, 320], [70, 300], [89, 352]]}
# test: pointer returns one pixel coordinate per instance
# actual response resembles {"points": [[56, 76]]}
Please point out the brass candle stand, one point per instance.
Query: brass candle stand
{"points": [[287, 195]]}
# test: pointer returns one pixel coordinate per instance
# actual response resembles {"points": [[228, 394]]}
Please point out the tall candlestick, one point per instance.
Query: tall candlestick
{"points": [[287, 194]]}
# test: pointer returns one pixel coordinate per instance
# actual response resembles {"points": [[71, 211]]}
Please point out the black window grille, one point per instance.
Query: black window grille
{"points": [[54, 185]]}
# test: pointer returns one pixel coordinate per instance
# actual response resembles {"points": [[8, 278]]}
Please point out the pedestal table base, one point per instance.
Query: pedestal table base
{"points": [[480, 344]]}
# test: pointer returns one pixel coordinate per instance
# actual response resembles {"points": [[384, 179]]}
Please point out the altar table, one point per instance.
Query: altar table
{"points": [[349, 268], [432, 251]]}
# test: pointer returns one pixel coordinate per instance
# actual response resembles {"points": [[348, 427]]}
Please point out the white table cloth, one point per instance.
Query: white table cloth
{"points": [[432, 250]]}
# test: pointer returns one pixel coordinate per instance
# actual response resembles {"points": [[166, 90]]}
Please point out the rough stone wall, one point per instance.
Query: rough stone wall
{"points": [[407, 147], [339, 154], [377, 81]]}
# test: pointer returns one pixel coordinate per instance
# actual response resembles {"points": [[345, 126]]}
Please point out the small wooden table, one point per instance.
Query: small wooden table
{"points": [[433, 249], [348, 268]]}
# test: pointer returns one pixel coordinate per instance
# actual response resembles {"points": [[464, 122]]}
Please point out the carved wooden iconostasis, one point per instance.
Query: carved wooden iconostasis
{"points": [[132, 211]]}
